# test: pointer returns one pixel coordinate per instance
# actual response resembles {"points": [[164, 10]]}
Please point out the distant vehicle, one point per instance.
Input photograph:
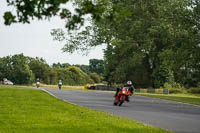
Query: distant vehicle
{"points": [[9, 82], [6, 82], [37, 84]]}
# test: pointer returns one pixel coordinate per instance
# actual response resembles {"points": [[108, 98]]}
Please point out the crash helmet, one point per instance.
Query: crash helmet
{"points": [[129, 83]]}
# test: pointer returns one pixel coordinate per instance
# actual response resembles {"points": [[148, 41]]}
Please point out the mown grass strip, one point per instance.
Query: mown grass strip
{"points": [[34, 111], [64, 87], [184, 98]]}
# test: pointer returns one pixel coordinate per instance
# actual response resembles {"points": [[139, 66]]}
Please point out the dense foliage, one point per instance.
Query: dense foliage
{"points": [[154, 42], [149, 42], [16, 69], [73, 76], [25, 70]]}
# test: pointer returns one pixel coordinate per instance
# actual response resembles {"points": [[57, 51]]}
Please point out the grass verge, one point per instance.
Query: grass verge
{"points": [[34, 111], [185, 98], [64, 87]]}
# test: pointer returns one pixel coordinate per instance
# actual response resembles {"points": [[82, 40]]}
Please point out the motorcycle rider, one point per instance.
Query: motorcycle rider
{"points": [[130, 86], [59, 84], [38, 83]]}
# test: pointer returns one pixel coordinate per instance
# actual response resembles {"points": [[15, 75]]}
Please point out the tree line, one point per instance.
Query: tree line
{"points": [[22, 69], [154, 43]]}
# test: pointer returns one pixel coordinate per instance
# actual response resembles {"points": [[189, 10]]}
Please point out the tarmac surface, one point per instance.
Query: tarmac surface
{"points": [[173, 116]]}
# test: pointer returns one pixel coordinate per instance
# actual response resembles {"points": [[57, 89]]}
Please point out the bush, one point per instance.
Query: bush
{"points": [[174, 90], [174, 85], [95, 77], [194, 90], [167, 86], [73, 76], [177, 85]]}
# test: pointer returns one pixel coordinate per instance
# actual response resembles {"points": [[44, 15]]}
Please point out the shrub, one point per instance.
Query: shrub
{"points": [[174, 85], [177, 85], [175, 90], [194, 90], [73, 76], [95, 77], [167, 86]]}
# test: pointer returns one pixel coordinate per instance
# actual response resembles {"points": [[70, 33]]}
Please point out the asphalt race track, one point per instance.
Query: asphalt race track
{"points": [[174, 116]]}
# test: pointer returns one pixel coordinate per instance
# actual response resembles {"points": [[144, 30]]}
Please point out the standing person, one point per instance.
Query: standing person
{"points": [[59, 84], [38, 83]]}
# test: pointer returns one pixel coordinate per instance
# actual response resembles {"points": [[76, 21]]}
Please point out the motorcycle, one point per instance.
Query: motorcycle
{"points": [[122, 96], [59, 86], [37, 84]]}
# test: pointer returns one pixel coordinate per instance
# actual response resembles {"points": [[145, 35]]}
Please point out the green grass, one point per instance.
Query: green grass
{"points": [[185, 98], [64, 87], [34, 111]]}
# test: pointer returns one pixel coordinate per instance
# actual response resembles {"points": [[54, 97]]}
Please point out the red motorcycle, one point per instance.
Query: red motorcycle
{"points": [[122, 96]]}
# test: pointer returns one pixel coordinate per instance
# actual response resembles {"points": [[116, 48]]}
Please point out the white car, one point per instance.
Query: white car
{"points": [[8, 82]]}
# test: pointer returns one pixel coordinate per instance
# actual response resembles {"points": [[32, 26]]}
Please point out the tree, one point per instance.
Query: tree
{"points": [[45, 9], [84, 68], [145, 28], [42, 70], [59, 65], [16, 69], [96, 65], [73, 76]]}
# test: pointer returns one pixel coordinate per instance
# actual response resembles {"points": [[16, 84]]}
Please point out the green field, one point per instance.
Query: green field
{"points": [[34, 111], [185, 98]]}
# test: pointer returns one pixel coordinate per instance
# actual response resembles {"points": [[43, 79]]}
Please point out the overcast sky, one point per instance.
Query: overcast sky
{"points": [[35, 40]]}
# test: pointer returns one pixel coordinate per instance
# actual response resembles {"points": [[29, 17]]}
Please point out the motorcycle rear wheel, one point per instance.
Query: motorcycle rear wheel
{"points": [[115, 103], [121, 101]]}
